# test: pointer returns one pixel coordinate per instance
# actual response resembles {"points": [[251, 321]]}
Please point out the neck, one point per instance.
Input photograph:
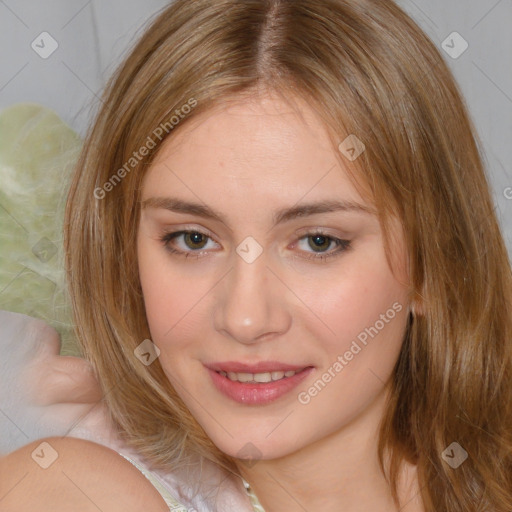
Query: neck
{"points": [[338, 472]]}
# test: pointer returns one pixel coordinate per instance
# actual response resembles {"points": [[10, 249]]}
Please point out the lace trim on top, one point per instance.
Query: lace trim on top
{"points": [[256, 505]]}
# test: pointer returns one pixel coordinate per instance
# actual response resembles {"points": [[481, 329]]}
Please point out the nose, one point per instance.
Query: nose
{"points": [[251, 303]]}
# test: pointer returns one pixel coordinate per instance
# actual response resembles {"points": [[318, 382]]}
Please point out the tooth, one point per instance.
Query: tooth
{"points": [[263, 377], [257, 377]]}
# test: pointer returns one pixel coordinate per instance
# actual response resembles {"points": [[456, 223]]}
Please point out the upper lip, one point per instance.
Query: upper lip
{"points": [[259, 367]]}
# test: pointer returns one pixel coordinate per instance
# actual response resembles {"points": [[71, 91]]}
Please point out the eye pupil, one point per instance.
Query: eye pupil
{"points": [[320, 242]]}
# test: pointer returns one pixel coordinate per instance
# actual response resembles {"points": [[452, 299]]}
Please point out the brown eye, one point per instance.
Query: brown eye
{"points": [[195, 240], [321, 246], [187, 243], [319, 243]]}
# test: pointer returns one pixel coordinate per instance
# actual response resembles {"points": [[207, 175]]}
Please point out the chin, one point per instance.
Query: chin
{"points": [[256, 445]]}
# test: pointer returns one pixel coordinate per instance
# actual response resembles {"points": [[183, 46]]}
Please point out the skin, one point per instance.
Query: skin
{"points": [[85, 476], [246, 160]]}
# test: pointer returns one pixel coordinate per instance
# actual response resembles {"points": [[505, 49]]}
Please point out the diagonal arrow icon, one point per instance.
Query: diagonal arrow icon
{"points": [[44, 45], [455, 45], [44, 455], [351, 147], [146, 352], [249, 249], [454, 455]]}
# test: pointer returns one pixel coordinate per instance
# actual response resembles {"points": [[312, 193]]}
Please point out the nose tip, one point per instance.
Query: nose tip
{"points": [[249, 307]]}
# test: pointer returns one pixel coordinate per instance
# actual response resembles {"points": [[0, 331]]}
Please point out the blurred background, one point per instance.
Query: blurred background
{"points": [[58, 54]]}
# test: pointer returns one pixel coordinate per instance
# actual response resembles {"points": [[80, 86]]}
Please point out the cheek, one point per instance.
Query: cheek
{"points": [[172, 299], [157, 290], [364, 300]]}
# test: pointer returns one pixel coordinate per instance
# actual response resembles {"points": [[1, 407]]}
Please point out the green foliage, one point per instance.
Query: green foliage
{"points": [[37, 154]]}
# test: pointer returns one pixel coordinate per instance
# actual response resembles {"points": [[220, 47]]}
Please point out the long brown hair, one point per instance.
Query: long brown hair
{"points": [[369, 71]]}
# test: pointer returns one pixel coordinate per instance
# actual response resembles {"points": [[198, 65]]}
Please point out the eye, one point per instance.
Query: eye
{"points": [[321, 246], [317, 246], [186, 243]]}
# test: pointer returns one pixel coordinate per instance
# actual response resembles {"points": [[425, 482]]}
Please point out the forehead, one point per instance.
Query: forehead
{"points": [[265, 146]]}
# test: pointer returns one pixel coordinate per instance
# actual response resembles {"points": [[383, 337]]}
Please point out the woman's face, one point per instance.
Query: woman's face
{"points": [[265, 280]]}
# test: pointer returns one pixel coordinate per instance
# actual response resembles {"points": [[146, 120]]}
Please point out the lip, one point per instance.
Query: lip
{"points": [[259, 393], [260, 367]]}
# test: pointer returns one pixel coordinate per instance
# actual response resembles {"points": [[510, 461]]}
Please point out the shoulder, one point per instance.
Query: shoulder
{"points": [[60, 474]]}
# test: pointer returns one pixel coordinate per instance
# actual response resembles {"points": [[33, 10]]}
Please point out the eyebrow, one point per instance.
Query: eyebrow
{"points": [[280, 216]]}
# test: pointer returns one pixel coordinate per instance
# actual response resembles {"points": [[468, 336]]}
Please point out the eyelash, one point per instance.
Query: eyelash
{"points": [[342, 245]]}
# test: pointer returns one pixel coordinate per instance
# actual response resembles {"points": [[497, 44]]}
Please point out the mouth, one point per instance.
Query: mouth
{"points": [[259, 377], [256, 384]]}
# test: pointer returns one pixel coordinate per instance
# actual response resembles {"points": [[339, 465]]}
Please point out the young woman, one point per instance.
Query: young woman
{"points": [[284, 260]]}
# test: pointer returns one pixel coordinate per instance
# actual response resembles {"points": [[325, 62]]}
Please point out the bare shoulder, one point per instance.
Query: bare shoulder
{"points": [[62, 474]]}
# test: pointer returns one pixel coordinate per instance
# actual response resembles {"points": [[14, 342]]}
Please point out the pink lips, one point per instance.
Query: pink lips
{"points": [[256, 393]]}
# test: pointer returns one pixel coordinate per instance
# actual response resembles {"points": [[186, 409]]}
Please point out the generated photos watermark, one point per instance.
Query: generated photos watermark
{"points": [[305, 397], [44, 455], [137, 156]]}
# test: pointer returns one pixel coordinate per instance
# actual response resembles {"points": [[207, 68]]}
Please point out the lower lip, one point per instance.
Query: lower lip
{"points": [[258, 393]]}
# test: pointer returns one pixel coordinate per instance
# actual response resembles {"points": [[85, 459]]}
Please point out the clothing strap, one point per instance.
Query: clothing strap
{"points": [[171, 501], [256, 505]]}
